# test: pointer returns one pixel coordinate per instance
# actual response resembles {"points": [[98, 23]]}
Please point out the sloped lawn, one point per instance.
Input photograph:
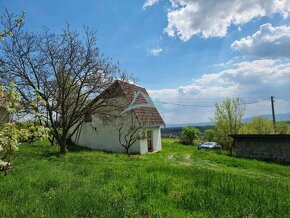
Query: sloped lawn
{"points": [[180, 181]]}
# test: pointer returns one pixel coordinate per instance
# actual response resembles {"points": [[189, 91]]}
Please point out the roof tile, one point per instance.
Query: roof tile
{"points": [[146, 115]]}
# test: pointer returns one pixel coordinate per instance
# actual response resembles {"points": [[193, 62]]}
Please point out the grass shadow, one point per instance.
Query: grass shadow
{"points": [[48, 154], [77, 148]]}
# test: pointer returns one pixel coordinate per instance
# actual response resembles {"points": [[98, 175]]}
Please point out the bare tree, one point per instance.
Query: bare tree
{"points": [[130, 131], [65, 73], [17, 21]]}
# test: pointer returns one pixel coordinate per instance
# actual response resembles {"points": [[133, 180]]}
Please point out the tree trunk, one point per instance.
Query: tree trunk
{"points": [[127, 151], [51, 140], [63, 147], [63, 143]]}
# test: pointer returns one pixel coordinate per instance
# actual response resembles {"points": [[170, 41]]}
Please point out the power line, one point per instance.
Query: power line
{"points": [[193, 102], [284, 100], [184, 105], [254, 102], [205, 106]]}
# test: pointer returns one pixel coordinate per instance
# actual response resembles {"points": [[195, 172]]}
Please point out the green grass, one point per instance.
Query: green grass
{"points": [[180, 181]]}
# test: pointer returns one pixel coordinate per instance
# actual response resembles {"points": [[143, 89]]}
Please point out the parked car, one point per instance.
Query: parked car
{"points": [[209, 145]]}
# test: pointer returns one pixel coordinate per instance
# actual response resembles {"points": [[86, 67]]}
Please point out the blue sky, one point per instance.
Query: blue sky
{"points": [[188, 51]]}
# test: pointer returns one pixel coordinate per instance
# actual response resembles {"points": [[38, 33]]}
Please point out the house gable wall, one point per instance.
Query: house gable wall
{"points": [[100, 136]]}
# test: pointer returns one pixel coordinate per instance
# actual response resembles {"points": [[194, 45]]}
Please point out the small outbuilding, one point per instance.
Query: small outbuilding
{"points": [[263, 147], [137, 108]]}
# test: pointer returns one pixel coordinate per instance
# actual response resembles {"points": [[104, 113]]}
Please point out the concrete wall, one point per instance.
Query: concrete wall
{"points": [[264, 147], [100, 136]]}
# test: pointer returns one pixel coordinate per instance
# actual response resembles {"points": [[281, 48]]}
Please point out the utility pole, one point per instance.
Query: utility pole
{"points": [[273, 111]]}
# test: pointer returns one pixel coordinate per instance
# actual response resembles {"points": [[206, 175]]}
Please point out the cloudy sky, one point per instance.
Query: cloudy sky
{"points": [[189, 54]]}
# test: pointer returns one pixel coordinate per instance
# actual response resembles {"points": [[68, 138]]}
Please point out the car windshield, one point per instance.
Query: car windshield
{"points": [[208, 143]]}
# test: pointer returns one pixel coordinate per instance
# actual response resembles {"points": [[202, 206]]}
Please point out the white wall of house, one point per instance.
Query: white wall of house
{"points": [[143, 146], [99, 136], [156, 134]]}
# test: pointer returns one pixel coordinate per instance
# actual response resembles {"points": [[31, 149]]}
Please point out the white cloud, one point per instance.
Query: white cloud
{"points": [[212, 18], [250, 80], [269, 41], [149, 3], [155, 51]]}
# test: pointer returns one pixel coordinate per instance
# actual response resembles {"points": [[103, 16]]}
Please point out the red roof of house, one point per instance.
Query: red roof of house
{"points": [[145, 111]]}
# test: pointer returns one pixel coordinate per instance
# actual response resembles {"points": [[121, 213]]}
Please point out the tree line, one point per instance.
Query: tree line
{"points": [[228, 121]]}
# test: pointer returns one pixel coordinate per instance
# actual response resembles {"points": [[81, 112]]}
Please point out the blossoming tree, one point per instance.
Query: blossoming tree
{"points": [[9, 132]]}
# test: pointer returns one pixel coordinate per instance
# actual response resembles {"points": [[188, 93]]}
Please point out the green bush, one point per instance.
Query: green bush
{"points": [[261, 125], [184, 140], [198, 141], [189, 134], [258, 125], [210, 135], [282, 127]]}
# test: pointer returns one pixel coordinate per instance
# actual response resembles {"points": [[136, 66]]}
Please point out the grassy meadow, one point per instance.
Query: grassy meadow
{"points": [[179, 181]]}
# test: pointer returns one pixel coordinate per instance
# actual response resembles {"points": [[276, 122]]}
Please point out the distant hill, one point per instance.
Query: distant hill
{"points": [[188, 124], [279, 117], [173, 132]]}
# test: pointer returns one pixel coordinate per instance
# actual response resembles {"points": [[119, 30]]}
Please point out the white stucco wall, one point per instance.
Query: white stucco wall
{"points": [[99, 136], [156, 133], [143, 146]]}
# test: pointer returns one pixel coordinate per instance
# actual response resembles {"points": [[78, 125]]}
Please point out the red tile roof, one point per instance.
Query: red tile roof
{"points": [[145, 111]]}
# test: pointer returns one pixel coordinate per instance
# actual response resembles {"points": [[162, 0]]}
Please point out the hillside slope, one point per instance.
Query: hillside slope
{"points": [[180, 181]]}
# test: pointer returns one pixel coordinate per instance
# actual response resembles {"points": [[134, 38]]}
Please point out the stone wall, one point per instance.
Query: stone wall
{"points": [[263, 147]]}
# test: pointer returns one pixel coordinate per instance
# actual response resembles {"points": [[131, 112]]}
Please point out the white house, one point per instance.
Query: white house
{"points": [[136, 107]]}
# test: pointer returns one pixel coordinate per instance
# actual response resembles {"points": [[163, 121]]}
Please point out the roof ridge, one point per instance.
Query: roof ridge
{"points": [[130, 84]]}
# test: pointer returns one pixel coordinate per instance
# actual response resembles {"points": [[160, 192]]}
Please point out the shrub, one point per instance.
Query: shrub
{"points": [[210, 135], [258, 125], [196, 142], [188, 134], [261, 125], [282, 127]]}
